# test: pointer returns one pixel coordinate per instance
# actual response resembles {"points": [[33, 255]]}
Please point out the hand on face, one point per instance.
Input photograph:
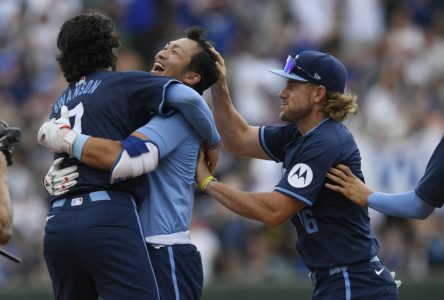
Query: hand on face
{"points": [[202, 168], [348, 184]]}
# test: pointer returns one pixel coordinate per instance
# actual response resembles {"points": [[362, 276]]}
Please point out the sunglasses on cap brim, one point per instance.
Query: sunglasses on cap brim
{"points": [[291, 67]]}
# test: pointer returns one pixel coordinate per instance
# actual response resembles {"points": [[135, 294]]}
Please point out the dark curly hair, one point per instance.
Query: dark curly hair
{"points": [[202, 62], [86, 44]]}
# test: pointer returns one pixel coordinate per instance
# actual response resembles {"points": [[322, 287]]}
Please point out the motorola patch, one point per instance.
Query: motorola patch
{"points": [[300, 176]]}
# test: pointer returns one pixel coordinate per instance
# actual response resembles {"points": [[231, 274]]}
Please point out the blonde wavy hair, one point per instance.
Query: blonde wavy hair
{"points": [[337, 106]]}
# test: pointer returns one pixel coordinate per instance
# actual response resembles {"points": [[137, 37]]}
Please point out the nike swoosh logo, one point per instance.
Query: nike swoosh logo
{"points": [[49, 217], [379, 272]]}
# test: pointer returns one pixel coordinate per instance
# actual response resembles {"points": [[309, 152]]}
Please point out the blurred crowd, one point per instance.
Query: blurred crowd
{"points": [[393, 50]]}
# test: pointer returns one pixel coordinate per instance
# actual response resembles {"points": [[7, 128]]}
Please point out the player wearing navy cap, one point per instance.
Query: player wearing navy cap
{"points": [[335, 239], [93, 243], [418, 204], [171, 151]]}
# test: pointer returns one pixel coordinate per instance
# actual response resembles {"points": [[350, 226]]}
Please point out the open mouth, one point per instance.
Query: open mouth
{"points": [[158, 67]]}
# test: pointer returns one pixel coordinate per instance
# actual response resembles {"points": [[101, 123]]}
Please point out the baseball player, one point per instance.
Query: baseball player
{"points": [[335, 239], [172, 152], [418, 204], [93, 244]]}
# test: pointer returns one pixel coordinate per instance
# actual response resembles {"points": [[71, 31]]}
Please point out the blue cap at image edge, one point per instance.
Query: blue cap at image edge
{"points": [[319, 68]]}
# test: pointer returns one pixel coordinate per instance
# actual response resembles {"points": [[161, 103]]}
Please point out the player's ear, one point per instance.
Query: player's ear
{"points": [[191, 78], [319, 92]]}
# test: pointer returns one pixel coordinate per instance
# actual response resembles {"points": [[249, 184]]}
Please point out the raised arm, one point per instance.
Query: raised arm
{"points": [[238, 137], [195, 110], [5, 204]]}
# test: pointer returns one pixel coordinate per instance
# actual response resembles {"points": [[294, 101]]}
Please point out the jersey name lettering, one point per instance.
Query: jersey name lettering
{"points": [[87, 87]]}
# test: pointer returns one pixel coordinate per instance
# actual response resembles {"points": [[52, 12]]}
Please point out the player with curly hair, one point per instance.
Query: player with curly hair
{"points": [[167, 209], [93, 243]]}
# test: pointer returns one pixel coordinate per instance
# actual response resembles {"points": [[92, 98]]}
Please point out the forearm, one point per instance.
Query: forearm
{"points": [[5, 210], [100, 153], [403, 205], [232, 127], [246, 204]]}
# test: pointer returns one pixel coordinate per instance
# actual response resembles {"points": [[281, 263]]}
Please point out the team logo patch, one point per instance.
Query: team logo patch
{"points": [[300, 176]]}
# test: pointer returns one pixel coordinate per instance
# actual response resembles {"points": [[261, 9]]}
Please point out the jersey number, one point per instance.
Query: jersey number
{"points": [[77, 113], [307, 218]]}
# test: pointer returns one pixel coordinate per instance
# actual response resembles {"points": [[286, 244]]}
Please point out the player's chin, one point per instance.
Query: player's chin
{"points": [[160, 73], [282, 113], [285, 117]]}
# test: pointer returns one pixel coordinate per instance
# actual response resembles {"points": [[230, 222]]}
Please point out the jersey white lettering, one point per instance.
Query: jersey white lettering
{"points": [[77, 112], [82, 87], [309, 221], [300, 176]]}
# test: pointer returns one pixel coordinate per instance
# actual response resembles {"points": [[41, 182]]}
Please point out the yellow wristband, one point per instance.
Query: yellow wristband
{"points": [[205, 182]]}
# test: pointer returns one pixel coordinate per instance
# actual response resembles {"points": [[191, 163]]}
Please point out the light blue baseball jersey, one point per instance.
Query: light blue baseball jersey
{"points": [[168, 204]]}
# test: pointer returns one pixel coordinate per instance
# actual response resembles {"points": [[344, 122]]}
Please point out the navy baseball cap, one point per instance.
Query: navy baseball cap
{"points": [[316, 67]]}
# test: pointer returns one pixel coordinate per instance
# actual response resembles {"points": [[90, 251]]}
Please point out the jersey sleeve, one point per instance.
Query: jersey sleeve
{"points": [[146, 93], [402, 205], [273, 140], [195, 110], [305, 174], [430, 187], [167, 132]]}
